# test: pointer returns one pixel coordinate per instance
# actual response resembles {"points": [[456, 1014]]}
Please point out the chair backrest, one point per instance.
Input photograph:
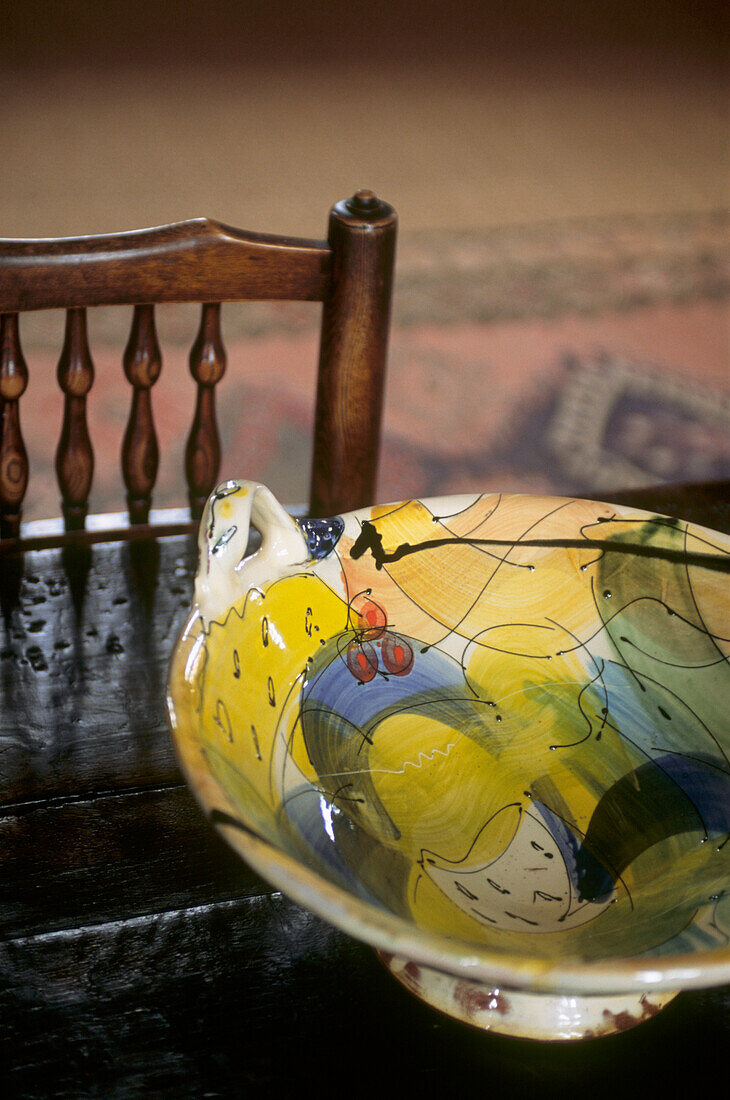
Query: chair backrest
{"points": [[201, 261]]}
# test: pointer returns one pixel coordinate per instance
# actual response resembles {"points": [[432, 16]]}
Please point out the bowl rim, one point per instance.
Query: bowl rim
{"points": [[464, 959]]}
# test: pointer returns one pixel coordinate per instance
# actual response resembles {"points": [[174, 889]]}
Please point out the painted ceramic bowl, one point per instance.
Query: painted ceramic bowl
{"points": [[488, 735]]}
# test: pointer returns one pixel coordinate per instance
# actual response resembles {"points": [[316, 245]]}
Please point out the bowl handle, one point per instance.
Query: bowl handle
{"points": [[226, 572]]}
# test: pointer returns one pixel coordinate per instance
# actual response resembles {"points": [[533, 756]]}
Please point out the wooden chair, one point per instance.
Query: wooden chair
{"points": [[201, 261]]}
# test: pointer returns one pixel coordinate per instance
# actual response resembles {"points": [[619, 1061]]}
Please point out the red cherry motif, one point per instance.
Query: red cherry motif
{"points": [[362, 661], [397, 654], [372, 620]]}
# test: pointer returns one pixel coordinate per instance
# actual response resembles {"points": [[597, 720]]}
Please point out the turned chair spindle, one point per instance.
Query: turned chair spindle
{"points": [[13, 456], [203, 451], [75, 456], [140, 453]]}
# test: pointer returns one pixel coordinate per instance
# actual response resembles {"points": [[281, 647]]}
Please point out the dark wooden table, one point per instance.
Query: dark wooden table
{"points": [[140, 957]]}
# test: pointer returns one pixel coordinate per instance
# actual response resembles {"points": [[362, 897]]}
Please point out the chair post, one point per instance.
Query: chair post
{"points": [[355, 326]]}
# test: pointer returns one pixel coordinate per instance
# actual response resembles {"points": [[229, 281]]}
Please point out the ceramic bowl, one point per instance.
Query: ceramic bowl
{"points": [[486, 734]]}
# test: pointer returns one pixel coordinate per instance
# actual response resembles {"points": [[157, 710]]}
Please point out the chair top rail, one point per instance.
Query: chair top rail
{"points": [[192, 261]]}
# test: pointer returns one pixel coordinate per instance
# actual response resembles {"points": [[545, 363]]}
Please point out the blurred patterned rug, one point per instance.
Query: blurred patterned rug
{"points": [[573, 357]]}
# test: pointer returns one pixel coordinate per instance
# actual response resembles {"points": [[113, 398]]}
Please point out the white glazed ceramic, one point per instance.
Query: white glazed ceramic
{"points": [[486, 734]]}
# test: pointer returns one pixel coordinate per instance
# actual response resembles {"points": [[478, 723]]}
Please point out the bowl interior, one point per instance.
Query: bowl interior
{"points": [[500, 719]]}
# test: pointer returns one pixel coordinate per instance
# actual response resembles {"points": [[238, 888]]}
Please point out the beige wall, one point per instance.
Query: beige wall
{"points": [[262, 112]]}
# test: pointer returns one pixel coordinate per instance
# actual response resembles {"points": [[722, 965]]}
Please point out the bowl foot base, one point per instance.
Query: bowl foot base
{"points": [[542, 1016]]}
